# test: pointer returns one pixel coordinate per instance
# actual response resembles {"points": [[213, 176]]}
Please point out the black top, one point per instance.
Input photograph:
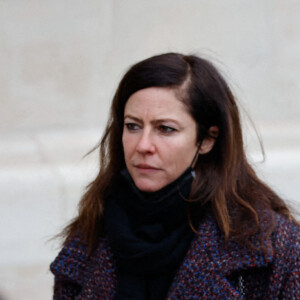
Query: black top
{"points": [[149, 235]]}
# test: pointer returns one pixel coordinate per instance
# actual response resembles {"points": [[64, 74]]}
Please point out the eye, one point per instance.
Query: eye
{"points": [[166, 129], [131, 126]]}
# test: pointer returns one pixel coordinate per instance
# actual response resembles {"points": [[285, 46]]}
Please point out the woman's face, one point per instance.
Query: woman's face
{"points": [[159, 138]]}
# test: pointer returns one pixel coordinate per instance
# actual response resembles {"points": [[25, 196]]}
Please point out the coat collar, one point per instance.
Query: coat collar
{"points": [[231, 256], [204, 270], [210, 261], [97, 271], [70, 262]]}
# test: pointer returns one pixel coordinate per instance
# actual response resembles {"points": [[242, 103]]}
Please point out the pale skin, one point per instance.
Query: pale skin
{"points": [[159, 138]]}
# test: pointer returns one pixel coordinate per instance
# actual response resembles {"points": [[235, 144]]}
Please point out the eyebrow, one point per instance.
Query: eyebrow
{"points": [[133, 118], [154, 121]]}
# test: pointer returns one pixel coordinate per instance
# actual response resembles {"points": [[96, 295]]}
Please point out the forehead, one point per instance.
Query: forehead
{"points": [[156, 101]]}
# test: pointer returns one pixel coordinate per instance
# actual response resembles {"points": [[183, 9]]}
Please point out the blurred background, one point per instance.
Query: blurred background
{"points": [[60, 62]]}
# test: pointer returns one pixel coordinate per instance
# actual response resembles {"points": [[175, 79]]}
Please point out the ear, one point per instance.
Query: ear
{"points": [[209, 141]]}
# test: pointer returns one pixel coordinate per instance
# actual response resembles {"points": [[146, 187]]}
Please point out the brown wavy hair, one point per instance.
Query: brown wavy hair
{"points": [[241, 203]]}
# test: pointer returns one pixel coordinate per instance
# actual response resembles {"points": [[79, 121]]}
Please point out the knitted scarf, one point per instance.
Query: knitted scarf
{"points": [[149, 235]]}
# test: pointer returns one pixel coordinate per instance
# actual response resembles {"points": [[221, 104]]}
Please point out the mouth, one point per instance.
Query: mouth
{"points": [[144, 168]]}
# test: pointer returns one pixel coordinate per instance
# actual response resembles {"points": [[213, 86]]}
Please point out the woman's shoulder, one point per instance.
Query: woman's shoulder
{"points": [[70, 259], [286, 230], [73, 258], [80, 271], [286, 238]]}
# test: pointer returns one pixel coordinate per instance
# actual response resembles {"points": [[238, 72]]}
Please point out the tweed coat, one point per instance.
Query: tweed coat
{"points": [[211, 269]]}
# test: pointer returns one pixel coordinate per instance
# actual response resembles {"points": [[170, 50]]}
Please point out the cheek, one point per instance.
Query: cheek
{"points": [[183, 157], [128, 144], [177, 157]]}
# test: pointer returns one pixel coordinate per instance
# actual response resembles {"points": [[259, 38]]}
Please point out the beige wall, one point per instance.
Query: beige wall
{"points": [[60, 62]]}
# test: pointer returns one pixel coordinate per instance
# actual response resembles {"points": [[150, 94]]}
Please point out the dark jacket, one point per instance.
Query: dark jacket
{"points": [[211, 269]]}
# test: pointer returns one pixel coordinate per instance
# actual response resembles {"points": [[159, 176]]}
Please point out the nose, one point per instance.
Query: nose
{"points": [[145, 144]]}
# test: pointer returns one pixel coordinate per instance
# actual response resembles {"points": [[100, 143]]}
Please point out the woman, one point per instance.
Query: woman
{"points": [[176, 211]]}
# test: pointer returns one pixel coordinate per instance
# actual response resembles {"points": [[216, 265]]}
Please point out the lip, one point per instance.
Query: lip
{"points": [[144, 168]]}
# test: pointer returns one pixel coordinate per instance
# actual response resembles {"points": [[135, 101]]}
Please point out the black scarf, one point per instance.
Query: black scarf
{"points": [[149, 235]]}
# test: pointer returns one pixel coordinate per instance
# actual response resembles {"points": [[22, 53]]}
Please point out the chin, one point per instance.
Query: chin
{"points": [[148, 187]]}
